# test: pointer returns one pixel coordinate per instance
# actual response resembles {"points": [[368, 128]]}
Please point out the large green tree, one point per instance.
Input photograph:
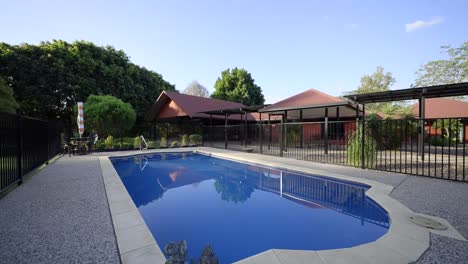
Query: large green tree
{"points": [[378, 81], [50, 78], [108, 115], [238, 85], [451, 70], [7, 98]]}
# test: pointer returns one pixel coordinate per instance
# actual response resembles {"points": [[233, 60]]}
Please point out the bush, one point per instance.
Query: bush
{"points": [[174, 144], [107, 114], [195, 139], [354, 148], [153, 144], [163, 142], [439, 141], [109, 142], [136, 142], [184, 141]]}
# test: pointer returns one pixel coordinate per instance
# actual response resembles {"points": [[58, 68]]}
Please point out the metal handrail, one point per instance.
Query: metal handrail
{"points": [[144, 141]]}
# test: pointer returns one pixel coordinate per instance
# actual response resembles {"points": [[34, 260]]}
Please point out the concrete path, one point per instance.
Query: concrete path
{"points": [[60, 215]]}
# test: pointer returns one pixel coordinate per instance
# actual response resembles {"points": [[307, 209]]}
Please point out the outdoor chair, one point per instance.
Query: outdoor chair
{"points": [[66, 147], [92, 142]]}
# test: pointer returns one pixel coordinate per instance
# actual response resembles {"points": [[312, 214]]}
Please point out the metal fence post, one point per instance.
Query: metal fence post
{"points": [[19, 154], [363, 124]]}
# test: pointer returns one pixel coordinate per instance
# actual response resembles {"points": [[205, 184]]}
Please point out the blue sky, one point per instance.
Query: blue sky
{"points": [[287, 46]]}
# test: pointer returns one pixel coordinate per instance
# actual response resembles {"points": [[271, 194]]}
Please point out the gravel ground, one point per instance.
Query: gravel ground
{"points": [[60, 215], [442, 198]]}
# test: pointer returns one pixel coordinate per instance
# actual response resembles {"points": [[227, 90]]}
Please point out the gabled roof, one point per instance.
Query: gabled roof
{"points": [[189, 104], [309, 98], [442, 108]]}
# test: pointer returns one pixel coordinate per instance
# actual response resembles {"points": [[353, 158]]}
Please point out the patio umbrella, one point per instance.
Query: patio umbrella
{"points": [[80, 119]]}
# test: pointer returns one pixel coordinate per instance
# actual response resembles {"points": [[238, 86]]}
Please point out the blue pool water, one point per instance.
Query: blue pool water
{"points": [[242, 209]]}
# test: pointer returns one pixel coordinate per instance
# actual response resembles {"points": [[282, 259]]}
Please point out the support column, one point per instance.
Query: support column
{"points": [[260, 134], [302, 129], [422, 116], [325, 132], [245, 130], [269, 131], [211, 131], [363, 157], [225, 131]]}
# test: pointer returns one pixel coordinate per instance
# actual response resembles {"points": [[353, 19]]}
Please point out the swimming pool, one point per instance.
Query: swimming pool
{"points": [[243, 209]]}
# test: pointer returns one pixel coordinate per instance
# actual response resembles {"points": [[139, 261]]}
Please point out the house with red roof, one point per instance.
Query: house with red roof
{"points": [[437, 108], [172, 107]]}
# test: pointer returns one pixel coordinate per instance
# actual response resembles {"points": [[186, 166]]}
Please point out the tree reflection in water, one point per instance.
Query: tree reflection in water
{"points": [[233, 189]]}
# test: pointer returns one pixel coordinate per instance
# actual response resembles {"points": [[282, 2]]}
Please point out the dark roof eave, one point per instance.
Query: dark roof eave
{"points": [[447, 90]]}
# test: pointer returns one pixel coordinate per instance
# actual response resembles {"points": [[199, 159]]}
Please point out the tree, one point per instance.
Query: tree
{"points": [[7, 99], [452, 70], [195, 88], [50, 78], [375, 82], [238, 86], [108, 115]]}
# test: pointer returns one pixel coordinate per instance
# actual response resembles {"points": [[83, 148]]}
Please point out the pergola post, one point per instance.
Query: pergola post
{"points": [[269, 131], [326, 131], [338, 125], [245, 130], [260, 133], [281, 138], [225, 131], [363, 124], [422, 116], [210, 136], [302, 128]]}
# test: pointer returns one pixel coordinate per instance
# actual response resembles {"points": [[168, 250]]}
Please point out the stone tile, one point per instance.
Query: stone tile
{"points": [[297, 256], [121, 207], [127, 220], [134, 238], [146, 255], [267, 257]]}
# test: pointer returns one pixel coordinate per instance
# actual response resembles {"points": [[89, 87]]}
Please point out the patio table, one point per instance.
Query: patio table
{"points": [[81, 144]]}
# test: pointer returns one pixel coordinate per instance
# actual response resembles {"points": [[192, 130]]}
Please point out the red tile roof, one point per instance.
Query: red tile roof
{"points": [[442, 108], [307, 98], [192, 105]]}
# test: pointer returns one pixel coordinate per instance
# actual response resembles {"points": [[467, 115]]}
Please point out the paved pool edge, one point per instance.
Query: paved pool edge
{"points": [[134, 240], [404, 242]]}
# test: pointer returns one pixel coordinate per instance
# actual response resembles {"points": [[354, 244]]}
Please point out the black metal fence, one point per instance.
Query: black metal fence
{"points": [[25, 144], [430, 147]]}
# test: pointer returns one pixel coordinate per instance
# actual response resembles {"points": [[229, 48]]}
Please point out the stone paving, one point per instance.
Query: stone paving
{"points": [[61, 214]]}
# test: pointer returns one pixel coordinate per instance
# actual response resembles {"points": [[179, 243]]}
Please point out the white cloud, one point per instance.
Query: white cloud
{"points": [[422, 24]]}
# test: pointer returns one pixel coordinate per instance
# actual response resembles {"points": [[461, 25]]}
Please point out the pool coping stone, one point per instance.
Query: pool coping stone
{"points": [[404, 242]]}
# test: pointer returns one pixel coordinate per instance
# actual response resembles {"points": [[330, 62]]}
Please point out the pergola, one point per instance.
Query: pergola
{"points": [[418, 93], [243, 111]]}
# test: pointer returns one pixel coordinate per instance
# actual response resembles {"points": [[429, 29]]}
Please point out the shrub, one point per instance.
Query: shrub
{"points": [[184, 141], [125, 145], [354, 148], [153, 144], [439, 141], [174, 144], [163, 142], [136, 142], [109, 142], [195, 139], [107, 114]]}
